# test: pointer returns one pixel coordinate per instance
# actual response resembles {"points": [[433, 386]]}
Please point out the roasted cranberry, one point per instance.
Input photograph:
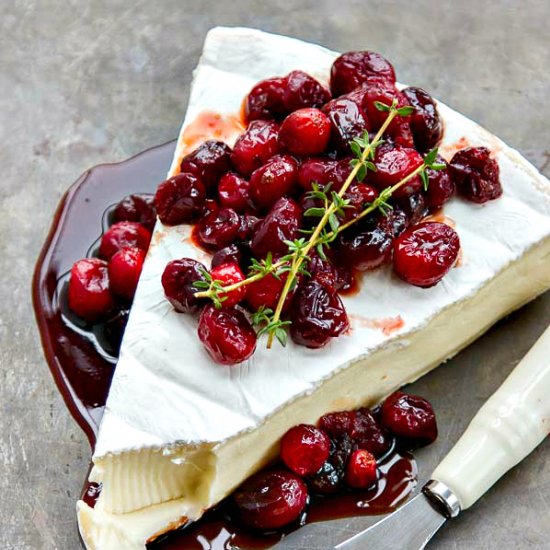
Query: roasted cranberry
{"points": [[359, 195], [366, 248], [347, 119], [177, 281], [255, 146], [302, 91], [414, 206], [305, 132], [248, 227], [265, 100], [123, 235], [229, 254], [425, 253], [367, 434], [327, 481], [136, 208], [476, 174], [392, 165], [219, 228], [89, 294], [361, 472], [124, 271], [229, 274], [266, 292], [304, 449], [441, 186], [324, 271], [180, 199], [341, 448], [394, 222], [409, 416], [210, 206], [352, 69], [234, 192], [270, 500], [273, 180], [226, 334], [425, 122], [317, 315], [208, 162], [317, 170], [338, 423], [282, 223]]}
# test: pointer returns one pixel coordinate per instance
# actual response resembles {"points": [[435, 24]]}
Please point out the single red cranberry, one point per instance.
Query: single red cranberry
{"points": [[317, 170], [394, 222], [326, 272], [348, 121], [273, 180], [136, 208], [414, 206], [365, 248], [281, 224], [476, 174], [338, 423], [270, 500], [124, 271], [255, 146], [89, 295], [219, 228], [177, 281], [426, 124], [305, 132], [424, 254], [302, 90], [265, 100], [249, 226], [226, 335], [304, 449], [317, 315], [208, 162], [266, 292], [367, 434], [229, 254], [229, 274], [409, 416], [234, 192], [180, 199], [441, 186], [123, 235], [361, 472], [352, 69]]}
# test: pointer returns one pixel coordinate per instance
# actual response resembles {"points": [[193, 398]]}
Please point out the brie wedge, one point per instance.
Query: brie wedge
{"points": [[180, 432]]}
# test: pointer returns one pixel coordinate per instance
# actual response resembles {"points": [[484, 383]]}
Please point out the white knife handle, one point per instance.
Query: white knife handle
{"points": [[514, 420]]}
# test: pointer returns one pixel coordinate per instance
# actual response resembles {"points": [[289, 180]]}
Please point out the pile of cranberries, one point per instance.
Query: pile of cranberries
{"points": [[340, 454]]}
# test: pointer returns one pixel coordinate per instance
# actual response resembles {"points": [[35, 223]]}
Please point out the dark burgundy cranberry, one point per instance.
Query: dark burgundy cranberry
{"points": [[304, 449], [265, 100], [361, 471], [394, 222], [226, 334], [208, 162], [327, 481], [338, 423], [425, 253], [347, 119], [317, 315], [410, 417], [124, 271], [210, 206], [123, 235], [305, 132], [326, 272], [180, 199], [426, 124], [282, 223], [476, 174], [114, 329], [359, 196], [248, 227], [219, 228], [302, 90], [352, 69], [232, 253], [255, 146], [177, 281], [270, 500], [441, 186], [340, 451], [317, 170], [234, 192], [266, 292], [367, 248], [89, 295], [367, 434], [136, 208], [414, 206], [229, 274], [273, 180]]}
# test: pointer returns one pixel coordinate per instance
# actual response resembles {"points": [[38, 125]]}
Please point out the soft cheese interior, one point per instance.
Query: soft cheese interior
{"points": [[180, 431]]}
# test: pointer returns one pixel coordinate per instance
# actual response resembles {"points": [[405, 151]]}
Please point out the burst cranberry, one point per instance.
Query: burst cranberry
{"points": [[265, 100], [347, 120], [219, 228], [270, 500], [367, 434], [281, 224], [305, 132], [476, 174], [210, 206], [229, 254], [409, 416], [329, 479], [266, 292], [359, 195], [180, 199], [226, 334], [338, 423], [177, 281], [248, 227], [208, 162], [124, 271], [425, 253], [394, 222], [414, 207], [332, 275], [229, 274], [317, 315], [234, 192], [352, 69], [136, 208], [361, 471], [304, 449], [366, 249], [425, 122], [441, 186], [89, 294], [302, 91], [123, 235], [273, 180], [255, 146]]}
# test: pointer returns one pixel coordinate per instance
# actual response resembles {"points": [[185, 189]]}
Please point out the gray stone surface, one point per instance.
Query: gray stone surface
{"points": [[87, 82]]}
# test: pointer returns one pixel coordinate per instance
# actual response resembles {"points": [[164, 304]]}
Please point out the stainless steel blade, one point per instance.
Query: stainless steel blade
{"points": [[408, 528]]}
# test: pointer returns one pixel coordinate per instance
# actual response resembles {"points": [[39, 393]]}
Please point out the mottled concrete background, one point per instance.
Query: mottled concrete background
{"points": [[86, 82]]}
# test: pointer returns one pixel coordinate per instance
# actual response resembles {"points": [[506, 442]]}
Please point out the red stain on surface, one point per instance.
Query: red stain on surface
{"points": [[388, 325], [449, 149]]}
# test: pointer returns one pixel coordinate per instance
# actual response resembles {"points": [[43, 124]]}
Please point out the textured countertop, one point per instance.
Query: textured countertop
{"points": [[84, 82]]}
